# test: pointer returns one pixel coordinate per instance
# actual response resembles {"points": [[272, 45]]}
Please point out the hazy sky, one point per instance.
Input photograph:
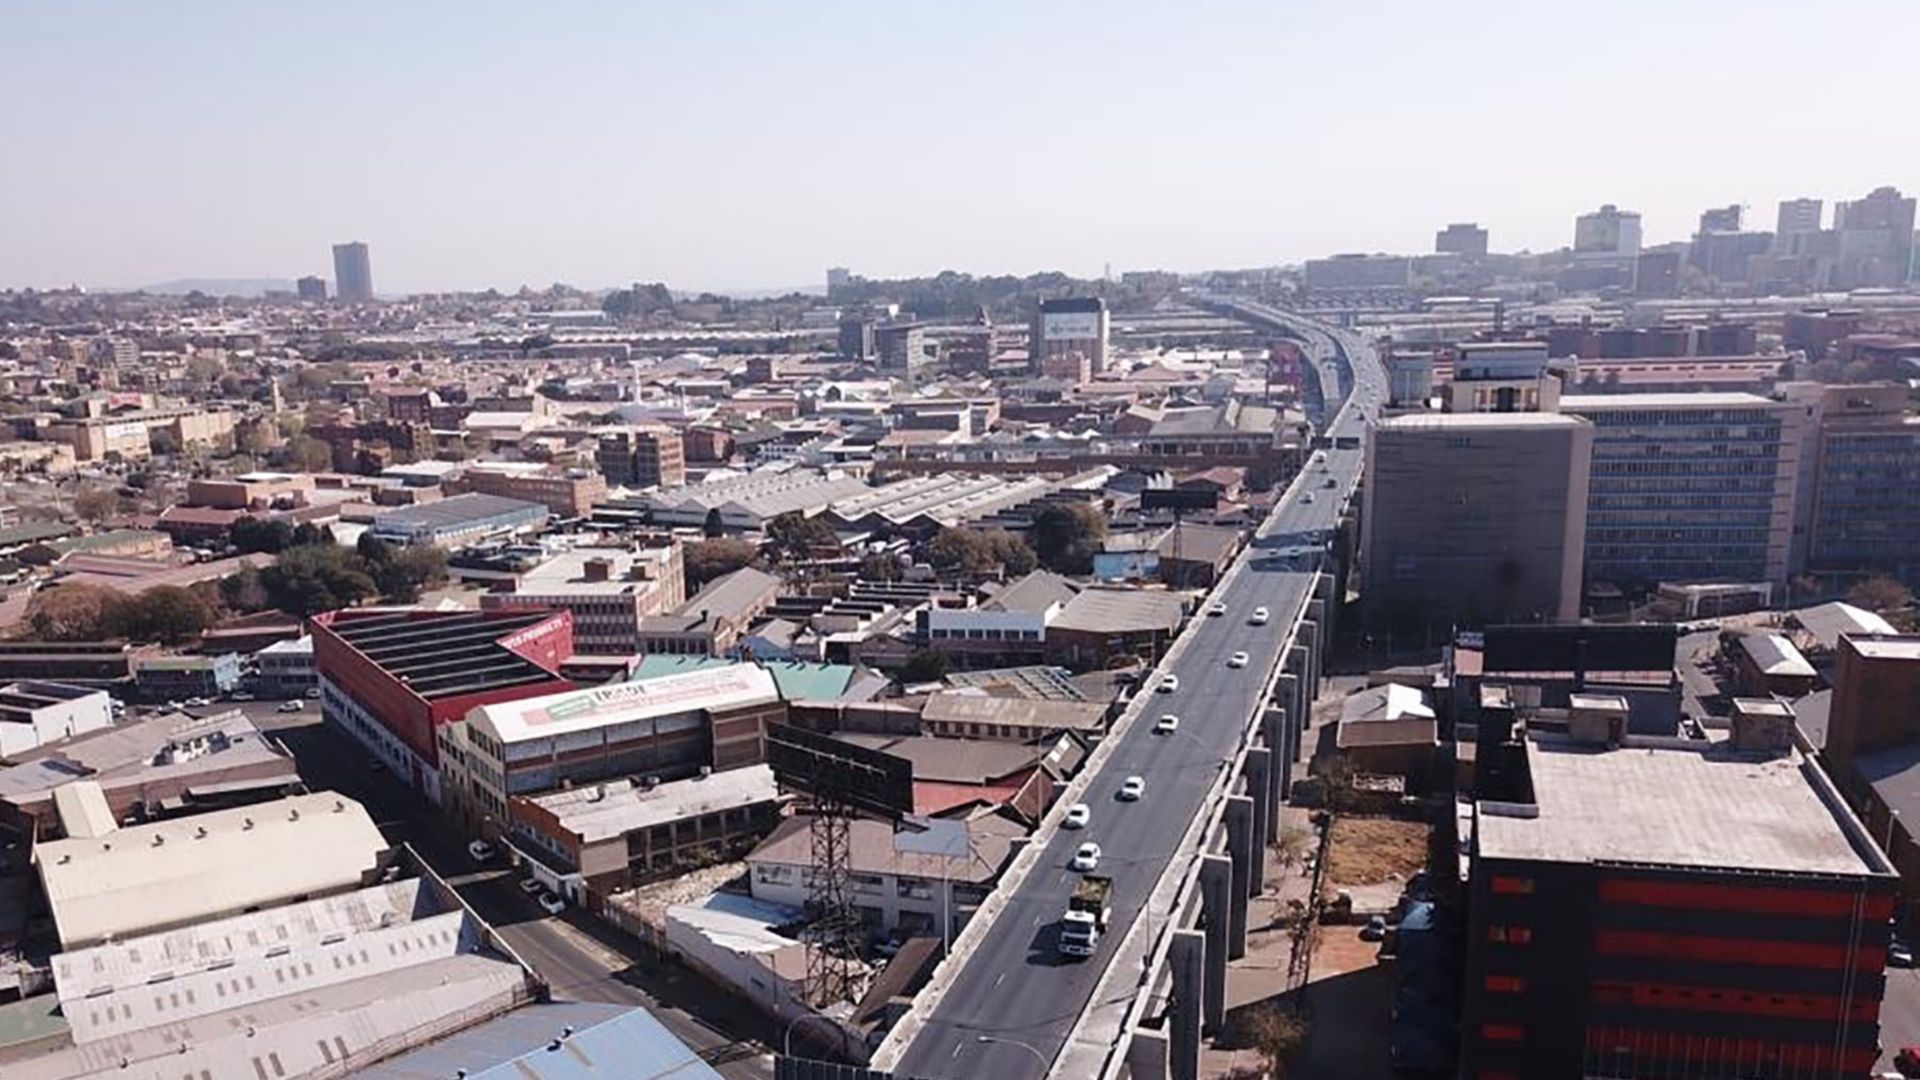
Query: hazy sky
{"points": [[738, 145]]}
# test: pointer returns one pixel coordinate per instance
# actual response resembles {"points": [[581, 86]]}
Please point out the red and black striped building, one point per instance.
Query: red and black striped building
{"points": [[1670, 908]]}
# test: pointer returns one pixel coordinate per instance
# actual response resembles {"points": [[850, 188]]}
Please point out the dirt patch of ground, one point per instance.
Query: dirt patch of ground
{"points": [[1374, 851]]}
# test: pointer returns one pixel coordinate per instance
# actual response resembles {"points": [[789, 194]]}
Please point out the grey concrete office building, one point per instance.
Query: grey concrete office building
{"points": [[1690, 487], [352, 272], [1473, 519]]}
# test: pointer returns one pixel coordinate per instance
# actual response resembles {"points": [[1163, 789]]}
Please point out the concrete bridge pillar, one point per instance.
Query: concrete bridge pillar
{"points": [[1239, 819], [1147, 1054], [1216, 887], [1286, 692], [1187, 957], [1309, 639], [1260, 787], [1273, 726]]}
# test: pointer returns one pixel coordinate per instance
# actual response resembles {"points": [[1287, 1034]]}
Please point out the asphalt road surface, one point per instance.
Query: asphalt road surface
{"points": [[1015, 1000]]}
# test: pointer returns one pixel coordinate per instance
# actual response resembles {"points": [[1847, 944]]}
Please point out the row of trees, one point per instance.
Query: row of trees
{"points": [[1064, 538], [311, 578], [167, 614]]}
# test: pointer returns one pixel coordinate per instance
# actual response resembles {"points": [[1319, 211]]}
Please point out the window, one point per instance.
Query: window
{"points": [[1510, 885], [1506, 984], [1502, 1032], [1510, 935]]}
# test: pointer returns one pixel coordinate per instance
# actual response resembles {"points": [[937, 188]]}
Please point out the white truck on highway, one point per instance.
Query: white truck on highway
{"points": [[1088, 910]]}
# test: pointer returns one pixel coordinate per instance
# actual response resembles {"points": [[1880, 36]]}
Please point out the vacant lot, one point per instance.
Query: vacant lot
{"points": [[1374, 851]]}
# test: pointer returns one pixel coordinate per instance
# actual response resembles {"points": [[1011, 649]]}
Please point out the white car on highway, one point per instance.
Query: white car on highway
{"points": [[1169, 684], [1166, 725], [1086, 858], [1077, 816], [1238, 659], [1260, 617], [1132, 788], [1218, 607]]}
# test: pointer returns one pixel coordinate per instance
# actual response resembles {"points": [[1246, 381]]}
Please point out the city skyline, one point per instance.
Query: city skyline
{"points": [[665, 144]]}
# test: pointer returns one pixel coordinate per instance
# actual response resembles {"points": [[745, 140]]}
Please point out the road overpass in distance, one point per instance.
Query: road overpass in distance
{"points": [[1187, 857]]}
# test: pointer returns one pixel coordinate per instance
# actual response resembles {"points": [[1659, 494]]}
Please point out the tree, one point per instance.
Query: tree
{"points": [[73, 613], [981, 554], [879, 566], [163, 442], [310, 580], [268, 536], [1881, 594], [1274, 1032], [243, 593], [925, 665], [307, 533], [202, 369], [409, 571], [714, 527], [793, 536], [95, 505], [1065, 536], [168, 614], [308, 454], [371, 548], [709, 559]]}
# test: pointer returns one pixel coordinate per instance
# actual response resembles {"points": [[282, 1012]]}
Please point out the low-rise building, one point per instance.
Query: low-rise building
{"points": [[170, 678], [668, 727], [148, 768], [1670, 907], [906, 881], [588, 841], [286, 667], [610, 591], [564, 493], [320, 987], [1099, 624], [461, 519], [391, 679], [711, 622], [171, 874], [34, 713]]}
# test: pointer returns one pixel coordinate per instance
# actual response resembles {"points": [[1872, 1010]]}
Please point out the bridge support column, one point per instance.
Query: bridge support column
{"points": [[1322, 636], [1216, 886], [1260, 786], [1286, 691], [1323, 593], [1187, 956], [1273, 725], [1147, 1054], [1309, 640], [1240, 849]]}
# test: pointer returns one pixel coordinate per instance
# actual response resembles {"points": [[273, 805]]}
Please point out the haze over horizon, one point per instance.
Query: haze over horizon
{"points": [[485, 145]]}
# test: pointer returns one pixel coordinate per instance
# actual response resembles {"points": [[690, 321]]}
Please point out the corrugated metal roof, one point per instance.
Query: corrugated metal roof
{"points": [[601, 1042]]}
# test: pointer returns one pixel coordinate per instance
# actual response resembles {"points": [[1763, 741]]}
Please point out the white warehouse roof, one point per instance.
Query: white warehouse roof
{"points": [[180, 871]]}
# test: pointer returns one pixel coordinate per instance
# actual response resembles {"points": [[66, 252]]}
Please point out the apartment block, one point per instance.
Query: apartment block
{"points": [[1474, 518], [1689, 487]]}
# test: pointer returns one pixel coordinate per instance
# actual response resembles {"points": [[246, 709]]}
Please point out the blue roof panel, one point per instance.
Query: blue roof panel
{"points": [[607, 1042]]}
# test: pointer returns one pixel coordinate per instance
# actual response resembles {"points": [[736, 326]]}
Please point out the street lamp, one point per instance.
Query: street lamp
{"points": [[1045, 1065]]}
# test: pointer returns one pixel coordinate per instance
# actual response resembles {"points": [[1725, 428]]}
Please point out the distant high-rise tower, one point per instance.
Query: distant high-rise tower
{"points": [[312, 288], [352, 272], [1608, 231], [838, 277], [1721, 219], [1461, 239], [1798, 216]]}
